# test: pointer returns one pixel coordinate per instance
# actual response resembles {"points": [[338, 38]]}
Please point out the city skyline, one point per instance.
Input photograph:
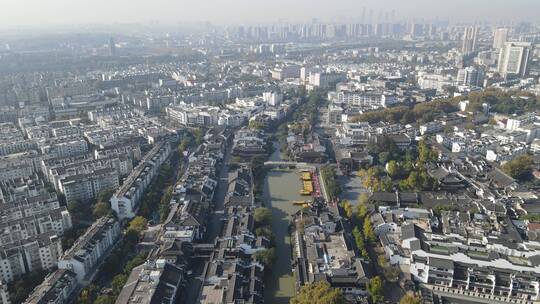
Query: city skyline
{"points": [[32, 13]]}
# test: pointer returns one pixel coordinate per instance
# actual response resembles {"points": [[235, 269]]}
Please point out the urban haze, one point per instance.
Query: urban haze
{"points": [[252, 152]]}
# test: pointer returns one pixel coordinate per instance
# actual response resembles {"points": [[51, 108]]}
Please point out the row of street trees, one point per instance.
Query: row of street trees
{"points": [[263, 220]]}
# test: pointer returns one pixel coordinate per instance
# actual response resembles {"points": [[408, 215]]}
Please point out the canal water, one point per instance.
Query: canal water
{"points": [[281, 189]]}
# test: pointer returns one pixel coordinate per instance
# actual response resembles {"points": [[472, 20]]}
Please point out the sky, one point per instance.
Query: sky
{"points": [[24, 13]]}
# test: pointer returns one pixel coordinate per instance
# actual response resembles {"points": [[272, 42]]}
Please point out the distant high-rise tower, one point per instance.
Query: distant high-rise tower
{"points": [[470, 37], [112, 47], [514, 59], [500, 37], [363, 14]]}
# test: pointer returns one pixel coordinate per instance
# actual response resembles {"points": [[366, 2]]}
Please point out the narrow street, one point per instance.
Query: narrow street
{"points": [[214, 222]]}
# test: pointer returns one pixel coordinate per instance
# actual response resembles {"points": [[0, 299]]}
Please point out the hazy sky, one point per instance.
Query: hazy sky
{"points": [[14, 13]]}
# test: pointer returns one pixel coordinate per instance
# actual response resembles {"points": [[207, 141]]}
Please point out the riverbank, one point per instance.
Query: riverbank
{"points": [[280, 190]]}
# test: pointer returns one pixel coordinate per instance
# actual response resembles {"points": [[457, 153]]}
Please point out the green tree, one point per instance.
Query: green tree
{"points": [[138, 224], [198, 134], [375, 288], [427, 182], [80, 211], [263, 216], [348, 208], [363, 198], [361, 210], [255, 124], [386, 184], [410, 298], [265, 232], [329, 178], [101, 209], [318, 293], [519, 168], [136, 261], [369, 234], [413, 181], [393, 169], [360, 242], [104, 299], [425, 153], [383, 157], [88, 295], [118, 283], [266, 256], [105, 195]]}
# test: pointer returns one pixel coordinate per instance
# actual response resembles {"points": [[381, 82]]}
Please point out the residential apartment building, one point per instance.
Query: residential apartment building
{"points": [[86, 187], [89, 249], [125, 201], [155, 281], [58, 288]]}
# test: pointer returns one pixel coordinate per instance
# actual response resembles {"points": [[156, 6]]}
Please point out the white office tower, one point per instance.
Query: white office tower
{"points": [[470, 37], [514, 59], [500, 37]]}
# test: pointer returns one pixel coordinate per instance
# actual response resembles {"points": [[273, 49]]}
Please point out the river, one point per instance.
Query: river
{"points": [[280, 189]]}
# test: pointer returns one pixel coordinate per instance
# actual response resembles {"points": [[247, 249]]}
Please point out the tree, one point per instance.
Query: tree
{"points": [[370, 178], [363, 198], [375, 288], [318, 293], [263, 216], [104, 299], [361, 210], [519, 168], [105, 195], [118, 283], [386, 184], [256, 124], [413, 181], [265, 232], [384, 157], [393, 169], [391, 273], [136, 261], [369, 234], [329, 178], [79, 210], [266, 256], [360, 242], [88, 294], [410, 298], [427, 182], [348, 208], [131, 236], [101, 209], [198, 134], [138, 224], [425, 153]]}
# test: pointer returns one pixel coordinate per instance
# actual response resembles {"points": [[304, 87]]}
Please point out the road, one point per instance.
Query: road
{"points": [[215, 222], [351, 187]]}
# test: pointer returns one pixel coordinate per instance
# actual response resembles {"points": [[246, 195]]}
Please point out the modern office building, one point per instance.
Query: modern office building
{"points": [[514, 59]]}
